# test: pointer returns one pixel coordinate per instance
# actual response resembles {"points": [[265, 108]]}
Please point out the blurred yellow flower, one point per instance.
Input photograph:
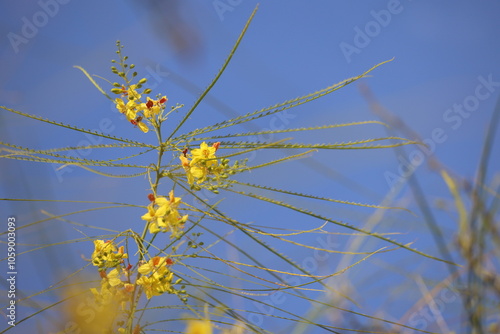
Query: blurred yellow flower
{"points": [[199, 327]]}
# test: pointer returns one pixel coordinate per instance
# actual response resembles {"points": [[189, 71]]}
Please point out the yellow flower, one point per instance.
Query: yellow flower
{"points": [[153, 107], [203, 163], [193, 171], [155, 216], [129, 109], [163, 215], [160, 279], [138, 122], [143, 127], [199, 327], [203, 153], [106, 294], [157, 263], [114, 277], [106, 255], [186, 165], [200, 173], [113, 289]]}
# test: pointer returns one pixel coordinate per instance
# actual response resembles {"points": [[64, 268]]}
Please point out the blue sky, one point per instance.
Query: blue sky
{"points": [[445, 54]]}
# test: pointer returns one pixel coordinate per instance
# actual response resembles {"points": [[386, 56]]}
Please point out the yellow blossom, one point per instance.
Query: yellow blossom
{"points": [[187, 168], [144, 128], [138, 122], [160, 277], [203, 153], [163, 215], [114, 277], [106, 255], [200, 173], [129, 109], [114, 291], [153, 107], [203, 163]]}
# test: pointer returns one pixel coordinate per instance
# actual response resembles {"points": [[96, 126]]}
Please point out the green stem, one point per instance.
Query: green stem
{"points": [[142, 249]]}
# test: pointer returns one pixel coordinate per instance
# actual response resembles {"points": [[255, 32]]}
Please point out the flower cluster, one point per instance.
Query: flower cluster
{"points": [[107, 255], [135, 111], [131, 103], [156, 278], [113, 289], [202, 164], [117, 288], [163, 215], [202, 167]]}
